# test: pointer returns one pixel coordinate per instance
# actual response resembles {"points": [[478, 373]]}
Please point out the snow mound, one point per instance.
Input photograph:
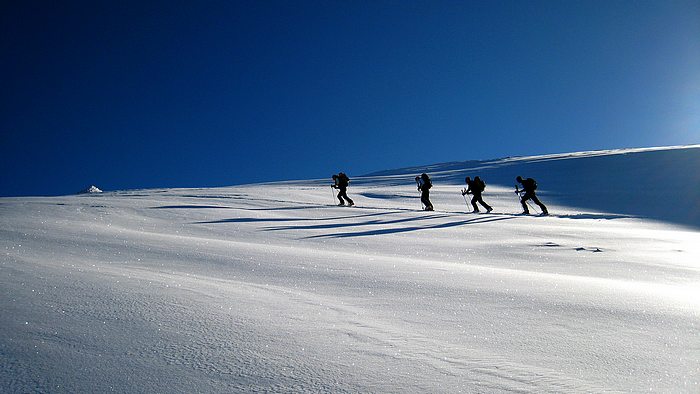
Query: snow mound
{"points": [[90, 190]]}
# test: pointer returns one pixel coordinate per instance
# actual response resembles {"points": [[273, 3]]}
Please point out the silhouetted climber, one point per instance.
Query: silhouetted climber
{"points": [[341, 182], [529, 187], [424, 186], [476, 187]]}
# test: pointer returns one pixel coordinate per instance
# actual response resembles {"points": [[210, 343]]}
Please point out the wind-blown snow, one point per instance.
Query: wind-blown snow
{"points": [[272, 288]]}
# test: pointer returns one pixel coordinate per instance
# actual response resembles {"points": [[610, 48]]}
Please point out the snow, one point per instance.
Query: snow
{"points": [[271, 287], [91, 189]]}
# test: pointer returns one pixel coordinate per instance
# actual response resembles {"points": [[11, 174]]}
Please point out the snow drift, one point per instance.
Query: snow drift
{"points": [[273, 288]]}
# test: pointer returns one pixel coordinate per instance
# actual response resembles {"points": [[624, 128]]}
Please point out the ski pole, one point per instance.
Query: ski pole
{"points": [[332, 194], [520, 197], [530, 205], [418, 182], [465, 198]]}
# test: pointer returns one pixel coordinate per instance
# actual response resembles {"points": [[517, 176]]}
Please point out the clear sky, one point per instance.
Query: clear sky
{"points": [[140, 94]]}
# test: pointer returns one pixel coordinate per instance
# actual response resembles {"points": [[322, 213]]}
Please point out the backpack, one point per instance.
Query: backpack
{"points": [[480, 185], [343, 179], [427, 184], [530, 184]]}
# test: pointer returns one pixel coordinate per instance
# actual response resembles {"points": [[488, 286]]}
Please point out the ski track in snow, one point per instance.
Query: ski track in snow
{"points": [[272, 288]]}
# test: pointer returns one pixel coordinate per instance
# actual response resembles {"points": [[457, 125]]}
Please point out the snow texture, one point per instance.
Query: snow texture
{"points": [[273, 288]]}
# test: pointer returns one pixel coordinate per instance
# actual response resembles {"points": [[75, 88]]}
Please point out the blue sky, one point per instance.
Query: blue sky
{"points": [[185, 94]]}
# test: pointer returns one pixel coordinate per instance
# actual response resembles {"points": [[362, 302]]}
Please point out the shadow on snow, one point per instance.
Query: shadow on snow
{"points": [[340, 225], [409, 229], [264, 220]]}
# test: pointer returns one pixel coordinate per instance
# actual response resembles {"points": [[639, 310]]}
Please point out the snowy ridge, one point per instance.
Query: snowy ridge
{"points": [[535, 158], [274, 288]]}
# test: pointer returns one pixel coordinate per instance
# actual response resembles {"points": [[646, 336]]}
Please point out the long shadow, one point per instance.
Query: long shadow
{"points": [[605, 216], [384, 196], [295, 208], [409, 229], [340, 225], [263, 220], [190, 207], [596, 216], [230, 196], [251, 198], [251, 220]]}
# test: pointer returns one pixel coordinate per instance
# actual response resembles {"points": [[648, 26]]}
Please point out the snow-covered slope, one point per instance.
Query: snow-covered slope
{"points": [[273, 288], [658, 183]]}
